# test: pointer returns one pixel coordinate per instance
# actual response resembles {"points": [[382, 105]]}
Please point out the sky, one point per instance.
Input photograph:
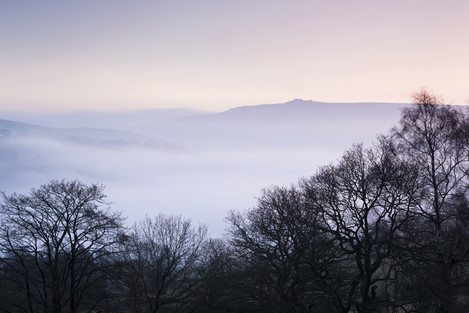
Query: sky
{"points": [[60, 55]]}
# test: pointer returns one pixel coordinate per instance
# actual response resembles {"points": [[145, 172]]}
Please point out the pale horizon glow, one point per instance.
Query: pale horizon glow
{"points": [[214, 55]]}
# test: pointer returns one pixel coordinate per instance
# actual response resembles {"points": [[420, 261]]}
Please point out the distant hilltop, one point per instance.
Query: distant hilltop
{"points": [[299, 109]]}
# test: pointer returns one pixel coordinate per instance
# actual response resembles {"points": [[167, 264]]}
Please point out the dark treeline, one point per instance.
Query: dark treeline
{"points": [[383, 229]]}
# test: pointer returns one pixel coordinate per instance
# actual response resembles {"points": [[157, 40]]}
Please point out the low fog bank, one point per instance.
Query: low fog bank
{"points": [[199, 166], [202, 185]]}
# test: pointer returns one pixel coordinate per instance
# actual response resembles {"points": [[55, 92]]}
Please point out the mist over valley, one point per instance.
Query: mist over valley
{"points": [[197, 164]]}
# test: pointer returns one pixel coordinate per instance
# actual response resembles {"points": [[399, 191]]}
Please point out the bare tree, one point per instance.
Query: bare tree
{"points": [[162, 265], [223, 280], [435, 138], [55, 240], [364, 201], [279, 242]]}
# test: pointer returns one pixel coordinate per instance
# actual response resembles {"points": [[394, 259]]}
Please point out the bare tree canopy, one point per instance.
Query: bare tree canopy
{"points": [[435, 138], [162, 262], [54, 241]]}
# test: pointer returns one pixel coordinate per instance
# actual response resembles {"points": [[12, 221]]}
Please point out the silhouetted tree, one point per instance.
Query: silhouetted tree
{"points": [[364, 201], [162, 263], [222, 289], [276, 240], [435, 138], [53, 244]]}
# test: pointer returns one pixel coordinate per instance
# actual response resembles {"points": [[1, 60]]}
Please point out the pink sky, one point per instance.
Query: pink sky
{"points": [[217, 54]]}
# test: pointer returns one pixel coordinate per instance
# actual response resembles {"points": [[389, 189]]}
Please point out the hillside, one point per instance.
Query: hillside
{"points": [[297, 123], [104, 138]]}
